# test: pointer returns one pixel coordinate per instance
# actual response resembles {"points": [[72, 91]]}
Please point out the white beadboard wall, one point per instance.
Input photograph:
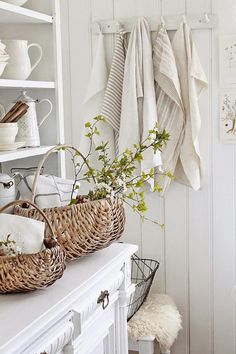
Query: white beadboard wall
{"points": [[197, 247]]}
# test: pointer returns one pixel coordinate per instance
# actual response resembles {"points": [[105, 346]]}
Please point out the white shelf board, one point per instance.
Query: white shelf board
{"points": [[16, 14], [5, 83], [23, 153]]}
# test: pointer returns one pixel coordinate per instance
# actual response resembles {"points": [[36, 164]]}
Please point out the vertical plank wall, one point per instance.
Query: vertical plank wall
{"points": [[197, 247]]}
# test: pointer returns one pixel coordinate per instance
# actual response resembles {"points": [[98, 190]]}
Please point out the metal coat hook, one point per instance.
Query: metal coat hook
{"points": [[206, 19], [163, 23]]}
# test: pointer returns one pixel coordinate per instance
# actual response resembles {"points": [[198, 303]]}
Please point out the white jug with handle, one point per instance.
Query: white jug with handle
{"points": [[19, 66], [28, 127]]}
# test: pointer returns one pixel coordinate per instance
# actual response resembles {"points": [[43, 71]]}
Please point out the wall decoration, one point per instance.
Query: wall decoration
{"points": [[228, 60], [228, 116]]}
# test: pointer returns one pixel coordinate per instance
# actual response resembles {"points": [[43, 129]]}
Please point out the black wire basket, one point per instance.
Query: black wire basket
{"points": [[142, 274]]}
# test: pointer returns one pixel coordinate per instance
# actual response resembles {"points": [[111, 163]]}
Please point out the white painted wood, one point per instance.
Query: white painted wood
{"points": [[72, 298], [17, 14], [200, 234], [80, 60], [59, 94], [223, 206], [5, 83], [145, 345], [199, 237], [172, 23], [23, 153]]}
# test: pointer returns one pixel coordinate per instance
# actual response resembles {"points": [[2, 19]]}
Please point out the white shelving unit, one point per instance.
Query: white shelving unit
{"points": [[22, 153], [26, 84], [15, 14], [45, 82]]}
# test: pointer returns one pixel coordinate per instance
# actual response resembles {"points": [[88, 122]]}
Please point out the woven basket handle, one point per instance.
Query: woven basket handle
{"points": [[41, 163], [21, 202]]}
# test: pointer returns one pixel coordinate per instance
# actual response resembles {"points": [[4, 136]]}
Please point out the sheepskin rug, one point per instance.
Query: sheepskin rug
{"points": [[159, 317]]}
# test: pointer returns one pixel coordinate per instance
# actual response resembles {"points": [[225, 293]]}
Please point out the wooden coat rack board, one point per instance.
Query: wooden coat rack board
{"points": [[201, 21]]}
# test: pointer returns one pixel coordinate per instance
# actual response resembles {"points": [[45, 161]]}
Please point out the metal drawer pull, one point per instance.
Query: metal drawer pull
{"points": [[104, 299]]}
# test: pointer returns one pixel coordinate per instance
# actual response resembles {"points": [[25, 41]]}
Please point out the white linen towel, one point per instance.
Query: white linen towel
{"points": [[93, 101], [28, 234], [139, 113], [193, 80], [111, 108], [169, 103], [51, 191]]}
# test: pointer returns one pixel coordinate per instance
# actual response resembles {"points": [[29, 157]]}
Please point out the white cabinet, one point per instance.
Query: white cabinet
{"points": [[82, 313]]}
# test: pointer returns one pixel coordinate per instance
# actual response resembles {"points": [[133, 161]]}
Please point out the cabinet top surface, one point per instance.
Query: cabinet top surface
{"points": [[19, 312]]}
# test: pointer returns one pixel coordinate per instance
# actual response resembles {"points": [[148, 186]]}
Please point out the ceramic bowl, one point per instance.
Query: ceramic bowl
{"points": [[16, 2], [2, 67], [8, 132]]}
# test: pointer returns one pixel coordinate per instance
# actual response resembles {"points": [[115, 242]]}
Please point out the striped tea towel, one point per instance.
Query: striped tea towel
{"points": [[139, 112], [111, 108], [192, 80], [169, 103]]}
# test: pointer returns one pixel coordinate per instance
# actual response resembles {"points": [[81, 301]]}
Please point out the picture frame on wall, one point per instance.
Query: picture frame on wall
{"points": [[227, 60], [228, 116]]}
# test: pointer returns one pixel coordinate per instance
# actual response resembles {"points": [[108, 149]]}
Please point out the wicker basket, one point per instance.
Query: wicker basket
{"points": [[28, 272], [82, 228], [142, 275]]}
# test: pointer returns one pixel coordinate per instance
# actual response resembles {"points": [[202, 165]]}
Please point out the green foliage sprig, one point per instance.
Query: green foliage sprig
{"points": [[118, 177], [8, 247]]}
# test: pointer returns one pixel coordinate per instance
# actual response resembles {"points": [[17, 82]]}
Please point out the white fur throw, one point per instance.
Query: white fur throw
{"points": [[159, 317]]}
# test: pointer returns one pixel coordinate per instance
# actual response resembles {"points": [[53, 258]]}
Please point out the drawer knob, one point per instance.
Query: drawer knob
{"points": [[104, 299]]}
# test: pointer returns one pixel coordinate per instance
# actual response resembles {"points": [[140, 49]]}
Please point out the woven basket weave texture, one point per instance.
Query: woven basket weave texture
{"points": [[28, 272]]}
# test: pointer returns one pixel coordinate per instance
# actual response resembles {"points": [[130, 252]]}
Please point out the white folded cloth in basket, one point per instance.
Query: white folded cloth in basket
{"points": [[28, 234], [51, 191]]}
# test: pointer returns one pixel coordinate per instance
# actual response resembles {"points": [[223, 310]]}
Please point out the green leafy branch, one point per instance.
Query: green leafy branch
{"points": [[120, 177]]}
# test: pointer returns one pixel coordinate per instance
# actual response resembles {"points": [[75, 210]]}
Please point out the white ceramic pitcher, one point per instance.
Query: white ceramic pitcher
{"points": [[19, 66], [28, 126]]}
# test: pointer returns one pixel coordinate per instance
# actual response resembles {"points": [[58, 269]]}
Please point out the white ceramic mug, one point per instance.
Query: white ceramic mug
{"points": [[19, 66], [16, 2], [8, 132]]}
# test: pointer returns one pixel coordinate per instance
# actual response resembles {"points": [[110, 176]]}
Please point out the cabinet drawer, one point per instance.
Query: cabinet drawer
{"points": [[54, 339], [99, 335], [94, 319], [88, 307]]}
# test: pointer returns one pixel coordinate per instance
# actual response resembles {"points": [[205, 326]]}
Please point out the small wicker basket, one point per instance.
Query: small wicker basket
{"points": [[28, 272], [81, 228], [142, 275]]}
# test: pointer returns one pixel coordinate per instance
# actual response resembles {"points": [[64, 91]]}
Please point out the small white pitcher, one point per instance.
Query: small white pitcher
{"points": [[19, 66], [28, 127]]}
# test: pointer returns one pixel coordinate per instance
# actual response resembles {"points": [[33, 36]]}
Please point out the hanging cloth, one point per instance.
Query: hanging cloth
{"points": [[192, 80], [170, 109], [111, 108], [93, 101], [139, 113]]}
